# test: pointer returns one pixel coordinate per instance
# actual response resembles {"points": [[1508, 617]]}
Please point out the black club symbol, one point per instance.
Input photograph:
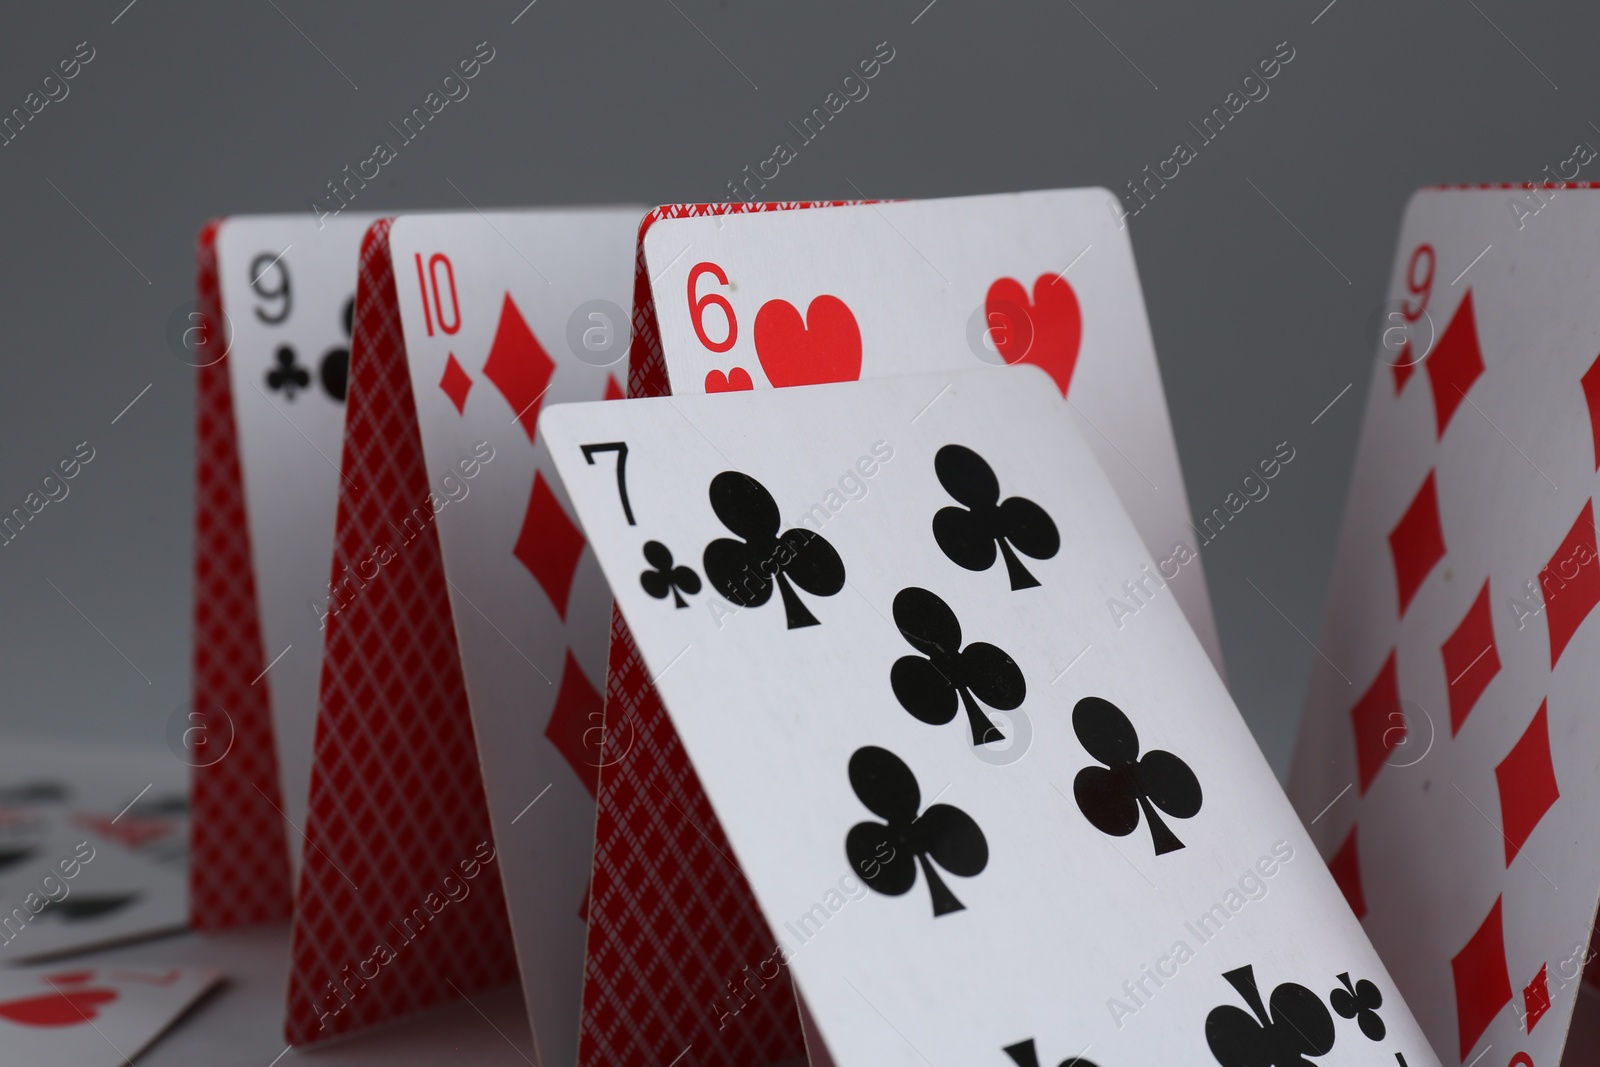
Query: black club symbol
{"points": [[1112, 796], [1298, 1026], [667, 578], [745, 571], [946, 676], [1023, 1054], [1360, 1002], [969, 536], [945, 835], [336, 361], [287, 377]]}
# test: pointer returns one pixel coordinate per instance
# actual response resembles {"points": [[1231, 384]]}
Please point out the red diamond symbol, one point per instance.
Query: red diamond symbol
{"points": [[613, 390], [1470, 660], [518, 366], [1591, 393], [578, 718], [1536, 998], [1455, 363], [549, 544], [1417, 542], [1527, 781], [1379, 723], [1346, 870], [455, 384], [1403, 367], [1570, 582], [1483, 985]]}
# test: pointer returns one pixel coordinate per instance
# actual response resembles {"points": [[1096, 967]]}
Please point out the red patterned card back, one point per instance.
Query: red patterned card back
{"points": [[397, 802], [238, 852], [681, 965]]}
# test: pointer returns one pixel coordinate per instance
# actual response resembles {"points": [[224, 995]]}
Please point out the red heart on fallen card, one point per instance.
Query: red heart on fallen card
{"points": [[823, 347], [1045, 331], [69, 1008], [732, 382], [68, 977]]}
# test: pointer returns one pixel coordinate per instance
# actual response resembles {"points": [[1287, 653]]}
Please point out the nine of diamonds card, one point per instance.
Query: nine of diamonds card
{"points": [[1134, 888], [1448, 756]]}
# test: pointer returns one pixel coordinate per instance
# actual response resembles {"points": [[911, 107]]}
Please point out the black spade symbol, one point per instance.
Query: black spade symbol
{"points": [[1297, 1026], [946, 676], [970, 535], [666, 578], [1112, 796], [746, 571], [942, 835]]}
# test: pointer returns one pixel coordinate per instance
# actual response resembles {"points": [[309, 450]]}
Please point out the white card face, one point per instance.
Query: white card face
{"points": [[288, 286], [68, 885], [91, 1016], [1458, 623], [1078, 883], [900, 288], [506, 314], [137, 797]]}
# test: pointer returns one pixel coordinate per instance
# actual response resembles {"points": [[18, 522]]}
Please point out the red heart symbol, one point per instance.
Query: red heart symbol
{"points": [[1045, 331], [824, 347], [68, 977], [734, 381], [58, 1009]]}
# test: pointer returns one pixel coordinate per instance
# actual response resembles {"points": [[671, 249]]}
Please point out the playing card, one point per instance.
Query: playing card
{"points": [[271, 344], [137, 798], [392, 913], [460, 590], [979, 820], [1045, 278], [288, 291], [505, 314], [91, 1016], [67, 885], [1447, 755]]}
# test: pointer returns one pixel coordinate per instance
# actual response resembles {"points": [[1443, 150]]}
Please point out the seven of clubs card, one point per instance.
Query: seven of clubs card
{"points": [[1447, 765], [504, 314], [1055, 838], [288, 294], [1044, 278]]}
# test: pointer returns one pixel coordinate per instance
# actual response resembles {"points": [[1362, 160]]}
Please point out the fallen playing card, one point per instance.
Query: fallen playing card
{"points": [[92, 1016]]}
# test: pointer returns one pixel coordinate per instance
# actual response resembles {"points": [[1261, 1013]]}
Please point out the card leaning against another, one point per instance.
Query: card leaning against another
{"points": [[758, 297], [980, 822], [461, 712], [277, 293], [1449, 756]]}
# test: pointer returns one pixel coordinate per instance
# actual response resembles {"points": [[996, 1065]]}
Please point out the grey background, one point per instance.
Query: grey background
{"points": [[189, 111]]}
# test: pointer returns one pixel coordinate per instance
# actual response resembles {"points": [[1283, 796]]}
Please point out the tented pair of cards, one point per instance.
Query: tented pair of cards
{"points": [[881, 775]]}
